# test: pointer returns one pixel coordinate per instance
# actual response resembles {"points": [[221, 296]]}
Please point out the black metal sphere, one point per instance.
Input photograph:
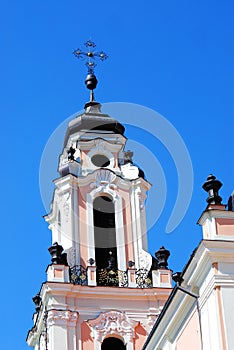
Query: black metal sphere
{"points": [[91, 81]]}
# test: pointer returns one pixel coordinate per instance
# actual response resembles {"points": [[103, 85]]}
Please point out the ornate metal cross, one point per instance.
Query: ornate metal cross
{"points": [[91, 55]]}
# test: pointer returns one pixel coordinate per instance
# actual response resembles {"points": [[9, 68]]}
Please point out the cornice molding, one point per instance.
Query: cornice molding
{"points": [[100, 144], [215, 213], [208, 251]]}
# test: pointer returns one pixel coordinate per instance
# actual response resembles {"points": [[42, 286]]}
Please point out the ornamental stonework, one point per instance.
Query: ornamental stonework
{"points": [[113, 322], [62, 317]]}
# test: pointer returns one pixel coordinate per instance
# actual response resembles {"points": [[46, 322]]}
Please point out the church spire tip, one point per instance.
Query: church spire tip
{"points": [[91, 57]]}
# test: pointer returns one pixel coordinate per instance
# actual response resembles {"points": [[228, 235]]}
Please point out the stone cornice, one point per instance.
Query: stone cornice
{"points": [[142, 183], [208, 251], [58, 288], [215, 213], [112, 145]]}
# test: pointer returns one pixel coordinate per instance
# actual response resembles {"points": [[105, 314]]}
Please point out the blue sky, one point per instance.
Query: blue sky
{"points": [[175, 57]]}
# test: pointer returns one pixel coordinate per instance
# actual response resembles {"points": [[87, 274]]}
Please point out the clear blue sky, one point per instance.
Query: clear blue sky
{"points": [[175, 57]]}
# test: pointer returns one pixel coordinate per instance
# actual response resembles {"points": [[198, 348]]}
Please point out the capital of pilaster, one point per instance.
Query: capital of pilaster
{"points": [[62, 317]]}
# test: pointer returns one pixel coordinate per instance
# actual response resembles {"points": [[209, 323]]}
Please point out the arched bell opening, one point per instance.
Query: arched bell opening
{"points": [[104, 232], [112, 343]]}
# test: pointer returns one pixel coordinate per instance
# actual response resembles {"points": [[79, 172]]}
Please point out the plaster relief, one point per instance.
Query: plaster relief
{"points": [[62, 317], [113, 322]]}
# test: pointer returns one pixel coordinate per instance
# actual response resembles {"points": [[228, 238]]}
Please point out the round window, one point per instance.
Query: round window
{"points": [[99, 160]]}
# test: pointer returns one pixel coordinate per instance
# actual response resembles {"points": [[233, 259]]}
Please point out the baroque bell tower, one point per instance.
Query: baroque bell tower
{"points": [[103, 289]]}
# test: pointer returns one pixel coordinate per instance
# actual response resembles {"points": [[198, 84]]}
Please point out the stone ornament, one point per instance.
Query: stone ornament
{"points": [[145, 260], [104, 182], [113, 322], [62, 317]]}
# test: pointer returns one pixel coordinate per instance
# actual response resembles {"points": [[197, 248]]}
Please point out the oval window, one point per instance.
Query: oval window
{"points": [[99, 160]]}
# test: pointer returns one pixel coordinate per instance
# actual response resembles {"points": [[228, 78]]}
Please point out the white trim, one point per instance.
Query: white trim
{"points": [[75, 225], [134, 231], [90, 226], [120, 239]]}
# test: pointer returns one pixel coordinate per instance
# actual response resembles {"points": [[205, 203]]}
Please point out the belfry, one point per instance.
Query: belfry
{"points": [[103, 289]]}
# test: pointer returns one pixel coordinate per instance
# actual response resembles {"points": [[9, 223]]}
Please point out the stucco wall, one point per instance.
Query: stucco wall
{"points": [[190, 336]]}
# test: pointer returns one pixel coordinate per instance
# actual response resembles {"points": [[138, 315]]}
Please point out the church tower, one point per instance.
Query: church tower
{"points": [[103, 289]]}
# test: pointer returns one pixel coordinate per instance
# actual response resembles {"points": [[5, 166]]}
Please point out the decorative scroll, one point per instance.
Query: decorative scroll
{"points": [[113, 322], [105, 182]]}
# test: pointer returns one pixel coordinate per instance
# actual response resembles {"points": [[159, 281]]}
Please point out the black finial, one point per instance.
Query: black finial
{"points": [[162, 256], [231, 202], [91, 83], [37, 301], [92, 56], [71, 153], [212, 186], [131, 263], [91, 261], [57, 257]]}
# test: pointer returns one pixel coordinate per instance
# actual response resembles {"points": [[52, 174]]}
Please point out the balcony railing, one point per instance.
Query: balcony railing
{"points": [[111, 277], [78, 275], [144, 278]]}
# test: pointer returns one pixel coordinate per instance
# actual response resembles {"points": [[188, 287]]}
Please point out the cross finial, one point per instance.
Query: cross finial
{"points": [[91, 57]]}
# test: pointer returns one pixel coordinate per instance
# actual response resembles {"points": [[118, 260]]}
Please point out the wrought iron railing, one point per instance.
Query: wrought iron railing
{"points": [[78, 275], [111, 277], [143, 278]]}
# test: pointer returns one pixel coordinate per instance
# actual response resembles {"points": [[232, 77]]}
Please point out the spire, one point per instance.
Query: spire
{"points": [[212, 186], [91, 80]]}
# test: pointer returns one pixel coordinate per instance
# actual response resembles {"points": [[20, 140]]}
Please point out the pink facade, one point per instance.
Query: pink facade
{"points": [[199, 311], [110, 290], [190, 337]]}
